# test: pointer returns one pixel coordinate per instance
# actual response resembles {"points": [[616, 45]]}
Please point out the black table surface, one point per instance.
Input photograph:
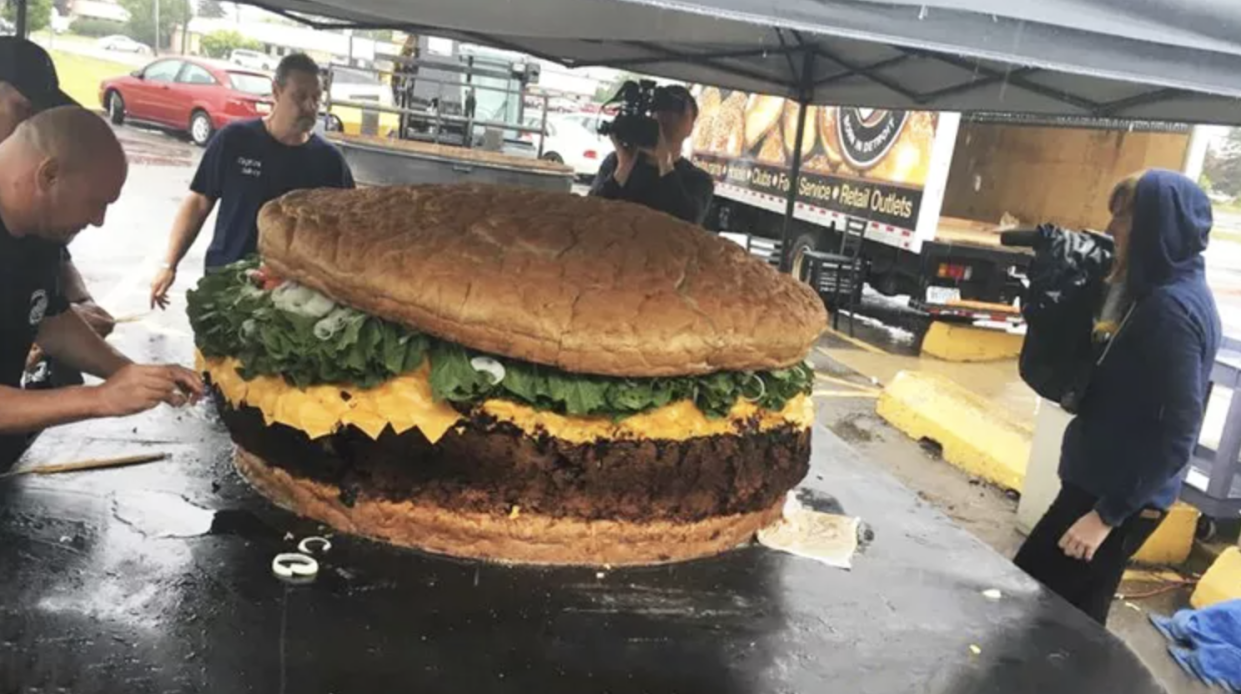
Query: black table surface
{"points": [[158, 578]]}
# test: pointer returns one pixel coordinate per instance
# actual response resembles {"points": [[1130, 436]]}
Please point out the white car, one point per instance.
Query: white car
{"points": [[123, 44], [572, 140], [255, 60]]}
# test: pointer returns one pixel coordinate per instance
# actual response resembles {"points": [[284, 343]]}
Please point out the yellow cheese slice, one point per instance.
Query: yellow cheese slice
{"points": [[406, 402]]}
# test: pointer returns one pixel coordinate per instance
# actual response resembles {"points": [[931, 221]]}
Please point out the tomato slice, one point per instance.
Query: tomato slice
{"points": [[267, 280]]}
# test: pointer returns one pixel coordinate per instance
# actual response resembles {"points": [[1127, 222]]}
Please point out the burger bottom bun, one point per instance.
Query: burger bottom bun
{"points": [[524, 538]]}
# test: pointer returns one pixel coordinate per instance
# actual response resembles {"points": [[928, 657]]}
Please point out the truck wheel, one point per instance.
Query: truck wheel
{"points": [[553, 158], [797, 262]]}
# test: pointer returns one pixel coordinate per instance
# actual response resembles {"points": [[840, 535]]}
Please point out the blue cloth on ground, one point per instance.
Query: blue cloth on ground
{"points": [[1206, 643]]}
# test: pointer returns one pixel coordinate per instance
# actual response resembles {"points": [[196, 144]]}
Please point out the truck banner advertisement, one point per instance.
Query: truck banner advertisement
{"points": [[862, 162]]}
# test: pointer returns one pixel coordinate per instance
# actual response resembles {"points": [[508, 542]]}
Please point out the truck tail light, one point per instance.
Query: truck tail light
{"points": [[590, 154], [952, 271]]}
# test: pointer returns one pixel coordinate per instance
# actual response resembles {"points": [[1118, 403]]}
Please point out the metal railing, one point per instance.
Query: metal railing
{"points": [[435, 117]]}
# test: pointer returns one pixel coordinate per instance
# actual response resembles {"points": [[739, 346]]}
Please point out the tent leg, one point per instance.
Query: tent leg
{"points": [[803, 99], [20, 18]]}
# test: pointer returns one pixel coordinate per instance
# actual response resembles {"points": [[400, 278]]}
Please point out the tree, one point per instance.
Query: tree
{"points": [[1223, 164], [210, 9], [38, 14], [218, 44], [141, 25]]}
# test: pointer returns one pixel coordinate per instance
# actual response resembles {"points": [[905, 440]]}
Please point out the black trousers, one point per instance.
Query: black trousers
{"points": [[1088, 585]]}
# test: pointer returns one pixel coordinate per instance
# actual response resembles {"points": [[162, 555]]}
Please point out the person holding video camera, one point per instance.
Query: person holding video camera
{"points": [[1124, 456], [656, 175]]}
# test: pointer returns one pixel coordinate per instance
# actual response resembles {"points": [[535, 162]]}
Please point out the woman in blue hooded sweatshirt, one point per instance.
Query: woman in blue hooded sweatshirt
{"points": [[1124, 456]]}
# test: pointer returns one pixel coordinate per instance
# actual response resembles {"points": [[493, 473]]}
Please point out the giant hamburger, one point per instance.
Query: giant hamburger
{"points": [[511, 374]]}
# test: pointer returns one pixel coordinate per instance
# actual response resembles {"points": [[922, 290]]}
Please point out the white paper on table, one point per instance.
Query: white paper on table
{"points": [[824, 537]]}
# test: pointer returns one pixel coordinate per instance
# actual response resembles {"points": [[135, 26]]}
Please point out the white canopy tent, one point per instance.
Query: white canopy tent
{"points": [[1163, 60], [1173, 60]]}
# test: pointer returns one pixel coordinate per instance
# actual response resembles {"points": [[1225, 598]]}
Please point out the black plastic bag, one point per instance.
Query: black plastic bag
{"points": [[1067, 287]]}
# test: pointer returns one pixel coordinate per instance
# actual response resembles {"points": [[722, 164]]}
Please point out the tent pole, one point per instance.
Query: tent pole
{"points": [[804, 93], [19, 22]]}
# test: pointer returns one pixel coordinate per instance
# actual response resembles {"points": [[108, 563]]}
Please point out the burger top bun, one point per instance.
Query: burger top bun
{"points": [[583, 284]]}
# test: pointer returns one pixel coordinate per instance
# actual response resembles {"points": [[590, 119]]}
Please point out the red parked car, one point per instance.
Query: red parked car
{"points": [[189, 94]]}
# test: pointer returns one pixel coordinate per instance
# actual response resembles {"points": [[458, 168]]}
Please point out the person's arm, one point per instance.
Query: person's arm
{"points": [[72, 286], [74, 290], [1173, 346], [685, 194], [205, 189], [185, 229], [131, 390], [67, 338], [605, 184]]}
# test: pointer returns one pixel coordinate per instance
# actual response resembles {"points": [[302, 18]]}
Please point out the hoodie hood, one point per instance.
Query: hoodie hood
{"points": [[1171, 224]]}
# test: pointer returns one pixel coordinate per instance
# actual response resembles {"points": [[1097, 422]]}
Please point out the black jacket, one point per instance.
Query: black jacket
{"points": [[685, 192]]}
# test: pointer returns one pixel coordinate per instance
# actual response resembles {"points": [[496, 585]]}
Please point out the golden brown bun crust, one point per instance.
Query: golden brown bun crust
{"points": [[584, 284], [524, 539]]}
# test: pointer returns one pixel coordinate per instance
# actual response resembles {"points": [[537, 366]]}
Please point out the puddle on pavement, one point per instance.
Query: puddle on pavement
{"points": [[817, 501], [164, 514]]}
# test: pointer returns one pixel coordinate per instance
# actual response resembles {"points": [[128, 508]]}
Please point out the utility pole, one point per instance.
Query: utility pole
{"points": [[20, 25]]}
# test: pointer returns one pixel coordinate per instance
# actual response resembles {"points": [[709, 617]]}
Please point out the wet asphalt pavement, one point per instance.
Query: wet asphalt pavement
{"points": [[157, 578]]}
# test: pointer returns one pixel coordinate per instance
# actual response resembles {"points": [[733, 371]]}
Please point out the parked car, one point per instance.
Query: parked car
{"points": [[255, 60], [123, 44], [7, 28], [188, 94], [572, 140]]}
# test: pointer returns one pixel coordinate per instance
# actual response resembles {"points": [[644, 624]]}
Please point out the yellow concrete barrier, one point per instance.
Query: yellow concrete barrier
{"points": [[1221, 582], [965, 343], [1173, 539], [973, 433]]}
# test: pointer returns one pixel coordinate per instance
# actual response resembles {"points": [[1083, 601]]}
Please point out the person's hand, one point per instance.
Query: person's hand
{"points": [[137, 388], [1083, 539], [626, 159], [96, 317], [33, 357], [661, 155], [160, 286]]}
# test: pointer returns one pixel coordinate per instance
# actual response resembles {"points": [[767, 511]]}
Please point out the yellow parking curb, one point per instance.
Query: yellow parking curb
{"points": [[1173, 540], [965, 343], [974, 435], [1221, 582]]}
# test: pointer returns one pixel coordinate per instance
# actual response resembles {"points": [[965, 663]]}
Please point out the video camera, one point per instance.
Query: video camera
{"points": [[633, 125]]}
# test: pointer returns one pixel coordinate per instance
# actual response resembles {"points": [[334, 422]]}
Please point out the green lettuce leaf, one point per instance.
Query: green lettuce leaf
{"points": [[231, 317]]}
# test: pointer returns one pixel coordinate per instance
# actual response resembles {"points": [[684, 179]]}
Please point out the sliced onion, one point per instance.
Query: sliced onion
{"points": [[318, 305], [762, 389], [809, 364], [489, 366], [294, 565], [292, 297], [250, 291], [330, 325], [322, 542]]}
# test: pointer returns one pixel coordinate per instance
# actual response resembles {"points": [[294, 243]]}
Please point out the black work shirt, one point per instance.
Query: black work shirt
{"points": [[244, 167], [29, 292], [685, 192]]}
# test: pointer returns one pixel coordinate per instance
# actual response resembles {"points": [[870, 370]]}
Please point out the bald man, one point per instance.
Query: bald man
{"points": [[59, 172], [28, 85]]}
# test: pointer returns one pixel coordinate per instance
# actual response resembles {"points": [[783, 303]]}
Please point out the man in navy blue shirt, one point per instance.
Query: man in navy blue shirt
{"points": [[250, 163]]}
